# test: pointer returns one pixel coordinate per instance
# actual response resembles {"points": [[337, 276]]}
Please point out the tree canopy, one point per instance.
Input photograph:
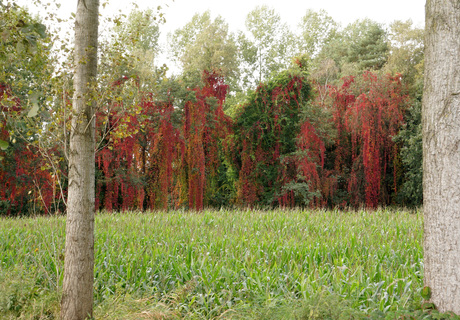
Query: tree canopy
{"points": [[321, 116]]}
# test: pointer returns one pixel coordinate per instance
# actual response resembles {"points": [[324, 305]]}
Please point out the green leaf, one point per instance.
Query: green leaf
{"points": [[33, 111], [426, 293], [3, 145], [34, 100], [40, 29], [428, 306], [20, 47]]}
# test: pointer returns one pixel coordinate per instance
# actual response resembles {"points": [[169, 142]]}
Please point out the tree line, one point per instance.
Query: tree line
{"points": [[265, 117]]}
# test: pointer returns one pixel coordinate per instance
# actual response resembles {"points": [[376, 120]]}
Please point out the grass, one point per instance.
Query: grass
{"points": [[227, 264]]}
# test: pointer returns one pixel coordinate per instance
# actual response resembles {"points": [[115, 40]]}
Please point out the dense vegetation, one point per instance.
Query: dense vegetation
{"points": [[338, 126], [243, 264], [259, 121]]}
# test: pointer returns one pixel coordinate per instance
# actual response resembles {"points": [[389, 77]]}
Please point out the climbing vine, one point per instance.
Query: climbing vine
{"points": [[279, 153], [178, 149], [170, 157], [368, 114]]}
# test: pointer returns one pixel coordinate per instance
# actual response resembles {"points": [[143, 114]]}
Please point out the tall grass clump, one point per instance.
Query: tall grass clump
{"points": [[228, 264]]}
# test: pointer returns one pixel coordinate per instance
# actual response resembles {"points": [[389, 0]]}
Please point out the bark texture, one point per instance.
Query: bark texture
{"points": [[77, 298], [441, 153]]}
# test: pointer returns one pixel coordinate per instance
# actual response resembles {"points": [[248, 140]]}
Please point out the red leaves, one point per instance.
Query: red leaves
{"points": [[283, 151], [161, 165], [368, 114]]}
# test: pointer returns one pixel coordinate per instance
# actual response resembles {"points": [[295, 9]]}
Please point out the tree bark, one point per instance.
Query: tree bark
{"points": [[77, 295], [441, 153]]}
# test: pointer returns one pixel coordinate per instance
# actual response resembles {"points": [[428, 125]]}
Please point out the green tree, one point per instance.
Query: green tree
{"points": [[368, 47], [317, 28], [406, 48], [205, 44], [131, 49], [410, 138], [214, 49], [127, 70], [24, 51], [183, 37], [361, 46], [268, 47], [406, 58], [279, 141], [26, 69]]}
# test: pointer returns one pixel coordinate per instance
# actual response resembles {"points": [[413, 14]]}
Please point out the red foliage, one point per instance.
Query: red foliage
{"points": [[161, 165], [165, 155], [205, 125], [367, 114]]}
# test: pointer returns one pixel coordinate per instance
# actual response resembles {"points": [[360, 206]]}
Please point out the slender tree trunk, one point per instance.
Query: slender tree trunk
{"points": [[77, 298], [441, 153]]}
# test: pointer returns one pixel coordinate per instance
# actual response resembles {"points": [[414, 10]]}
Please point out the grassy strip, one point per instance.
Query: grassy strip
{"points": [[242, 264]]}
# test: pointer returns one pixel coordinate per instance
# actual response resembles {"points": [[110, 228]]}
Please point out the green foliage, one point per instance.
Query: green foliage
{"points": [[406, 46], [317, 29], [204, 44], [426, 293], [368, 45], [410, 138], [214, 49], [140, 29], [360, 46], [3, 145], [28, 154], [24, 296], [265, 131], [269, 118], [24, 51], [301, 190], [129, 51], [181, 38], [267, 46]]}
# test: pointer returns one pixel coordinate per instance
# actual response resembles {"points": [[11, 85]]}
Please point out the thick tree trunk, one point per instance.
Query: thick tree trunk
{"points": [[77, 296], [441, 153]]}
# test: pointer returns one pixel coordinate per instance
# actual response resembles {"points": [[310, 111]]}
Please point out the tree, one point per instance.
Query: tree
{"points": [[368, 112], [361, 46], [279, 143], [368, 45], [268, 48], [204, 44], [181, 38], [25, 69], [130, 50], [77, 298], [214, 50], [441, 153], [406, 53], [410, 139], [317, 28]]}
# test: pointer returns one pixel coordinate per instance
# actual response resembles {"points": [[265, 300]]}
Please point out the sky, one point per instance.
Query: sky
{"points": [[291, 11], [179, 12]]}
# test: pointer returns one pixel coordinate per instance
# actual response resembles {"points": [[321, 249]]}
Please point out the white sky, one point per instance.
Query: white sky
{"points": [[291, 11], [234, 12], [179, 12]]}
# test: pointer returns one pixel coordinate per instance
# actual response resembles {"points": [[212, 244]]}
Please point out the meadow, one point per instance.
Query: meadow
{"points": [[227, 264]]}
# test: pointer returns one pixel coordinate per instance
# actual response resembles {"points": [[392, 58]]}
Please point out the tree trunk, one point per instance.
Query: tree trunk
{"points": [[77, 296], [441, 153]]}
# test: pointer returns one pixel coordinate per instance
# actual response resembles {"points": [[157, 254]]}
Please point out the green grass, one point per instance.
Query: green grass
{"points": [[228, 264]]}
